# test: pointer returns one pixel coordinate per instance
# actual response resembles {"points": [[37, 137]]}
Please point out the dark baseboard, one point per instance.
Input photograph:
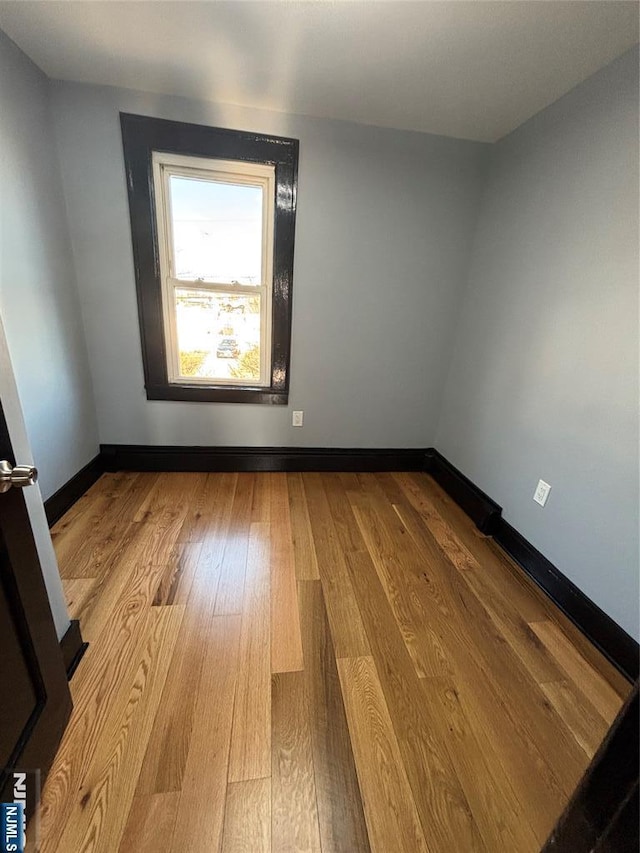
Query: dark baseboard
{"points": [[56, 506], [73, 647], [605, 634], [123, 457], [480, 508]]}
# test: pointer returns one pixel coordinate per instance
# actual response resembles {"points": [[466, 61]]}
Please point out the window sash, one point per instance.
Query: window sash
{"points": [[215, 287], [229, 172], [173, 352]]}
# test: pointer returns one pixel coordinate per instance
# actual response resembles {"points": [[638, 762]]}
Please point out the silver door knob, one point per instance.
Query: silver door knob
{"points": [[17, 476]]}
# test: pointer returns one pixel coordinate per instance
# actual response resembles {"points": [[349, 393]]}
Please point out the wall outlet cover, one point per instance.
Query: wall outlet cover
{"points": [[298, 419], [542, 492]]}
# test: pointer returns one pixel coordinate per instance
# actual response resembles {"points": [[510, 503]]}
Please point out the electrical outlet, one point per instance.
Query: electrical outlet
{"points": [[298, 419], [542, 492]]}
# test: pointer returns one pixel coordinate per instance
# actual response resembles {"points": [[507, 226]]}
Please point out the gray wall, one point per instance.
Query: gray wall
{"points": [[544, 381], [384, 227], [38, 294]]}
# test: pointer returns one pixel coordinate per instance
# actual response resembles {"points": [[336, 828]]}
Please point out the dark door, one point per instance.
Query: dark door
{"points": [[35, 701]]}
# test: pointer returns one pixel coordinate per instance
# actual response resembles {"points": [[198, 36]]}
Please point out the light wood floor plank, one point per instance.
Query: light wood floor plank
{"points": [[247, 818], [166, 755], [348, 534], [340, 813], [431, 775], [169, 499], [389, 807], [98, 818], [443, 532], [129, 491], [77, 592], [442, 806], [200, 819], [305, 559], [500, 817], [416, 577], [85, 502], [261, 503], [286, 643], [596, 660], [437, 508], [582, 719], [113, 498], [534, 783], [215, 536], [294, 814], [484, 643], [201, 509], [100, 605], [99, 688], [419, 631], [151, 821], [234, 560], [178, 575], [603, 697], [529, 601], [98, 551], [498, 606], [75, 539], [165, 758], [250, 756], [349, 637]]}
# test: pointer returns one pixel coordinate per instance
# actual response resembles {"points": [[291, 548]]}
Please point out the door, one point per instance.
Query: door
{"points": [[35, 702]]}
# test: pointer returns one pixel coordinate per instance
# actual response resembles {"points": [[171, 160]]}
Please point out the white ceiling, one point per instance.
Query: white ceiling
{"points": [[474, 70]]}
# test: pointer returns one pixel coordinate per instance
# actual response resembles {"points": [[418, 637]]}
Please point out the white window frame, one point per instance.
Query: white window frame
{"points": [[235, 172]]}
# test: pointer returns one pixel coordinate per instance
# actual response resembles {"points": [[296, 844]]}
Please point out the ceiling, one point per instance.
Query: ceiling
{"points": [[474, 70]]}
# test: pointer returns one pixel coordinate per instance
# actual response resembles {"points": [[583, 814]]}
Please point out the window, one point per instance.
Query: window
{"points": [[215, 228], [212, 218]]}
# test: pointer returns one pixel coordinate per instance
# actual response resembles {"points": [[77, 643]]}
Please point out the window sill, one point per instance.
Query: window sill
{"points": [[217, 394]]}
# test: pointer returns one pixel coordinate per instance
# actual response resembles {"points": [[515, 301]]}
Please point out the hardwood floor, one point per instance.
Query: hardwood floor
{"points": [[311, 662]]}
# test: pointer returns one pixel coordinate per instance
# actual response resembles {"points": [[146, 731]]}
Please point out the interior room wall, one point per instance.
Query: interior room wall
{"points": [[38, 293], [384, 226], [544, 379]]}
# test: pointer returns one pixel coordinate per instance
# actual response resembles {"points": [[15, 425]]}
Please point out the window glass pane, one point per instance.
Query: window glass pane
{"points": [[217, 231], [218, 335]]}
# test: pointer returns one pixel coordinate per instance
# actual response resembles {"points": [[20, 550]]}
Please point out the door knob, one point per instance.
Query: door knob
{"points": [[18, 476]]}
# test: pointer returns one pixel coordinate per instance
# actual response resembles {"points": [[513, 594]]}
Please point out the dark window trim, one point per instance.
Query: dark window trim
{"points": [[141, 136]]}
